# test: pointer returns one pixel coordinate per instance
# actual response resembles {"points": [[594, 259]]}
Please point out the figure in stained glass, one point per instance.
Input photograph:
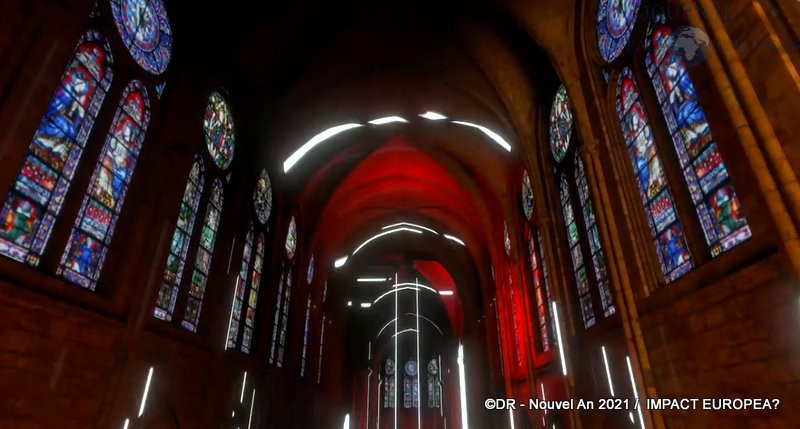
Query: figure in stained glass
{"points": [[615, 22], [219, 130], [145, 30]]}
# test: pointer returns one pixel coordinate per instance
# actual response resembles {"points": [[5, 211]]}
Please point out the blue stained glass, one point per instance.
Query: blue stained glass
{"points": [[527, 195], [287, 291], [160, 89], [34, 202], [715, 200], [276, 322], [561, 122], [653, 184], [202, 263], [86, 250], [615, 22], [144, 28]]}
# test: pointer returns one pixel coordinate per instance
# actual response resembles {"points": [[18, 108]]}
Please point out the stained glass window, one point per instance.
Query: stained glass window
{"points": [[514, 318], [506, 239], [287, 297], [434, 384], [542, 300], [176, 260], [160, 89], [310, 273], [561, 122], [715, 200], [305, 336], [145, 31], [262, 197], [596, 249], [291, 239], [276, 322], [573, 238], [219, 131], [410, 385], [88, 244], [202, 264], [252, 300], [322, 331], [35, 200], [527, 195], [654, 187], [553, 339], [389, 385], [241, 288], [615, 22]]}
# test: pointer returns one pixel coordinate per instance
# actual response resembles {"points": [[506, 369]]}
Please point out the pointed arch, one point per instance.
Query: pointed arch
{"points": [[34, 202], [94, 227]]}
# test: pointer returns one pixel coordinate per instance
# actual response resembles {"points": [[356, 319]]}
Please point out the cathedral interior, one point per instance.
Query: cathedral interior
{"points": [[567, 214]]}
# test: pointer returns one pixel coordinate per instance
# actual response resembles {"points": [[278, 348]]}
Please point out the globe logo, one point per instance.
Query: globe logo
{"points": [[692, 43]]}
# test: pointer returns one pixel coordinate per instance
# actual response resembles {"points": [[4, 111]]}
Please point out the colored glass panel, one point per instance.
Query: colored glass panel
{"points": [[94, 227], [322, 332], [252, 301], [262, 197], [305, 336], [203, 260], [615, 22], [310, 273], [654, 187], [716, 203], [238, 295], [219, 131], [179, 247], [596, 249], [144, 28], [584, 295], [287, 297], [291, 239], [527, 195], [514, 318], [542, 301], [561, 122], [35, 200], [276, 322]]}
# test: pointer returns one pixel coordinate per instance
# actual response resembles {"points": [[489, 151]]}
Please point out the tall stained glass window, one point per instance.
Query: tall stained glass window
{"points": [[144, 28], [36, 197], [262, 197], [291, 239], [88, 244], [276, 321], [527, 196], [305, 336], [252, 300], [654, 187], [322, 332], [287, 297], [179, 247], [583, 238], [715, 200], [615, 22], [239, 292], [202, 264]]}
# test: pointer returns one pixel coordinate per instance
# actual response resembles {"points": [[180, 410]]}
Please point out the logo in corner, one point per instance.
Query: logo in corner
{"points": [[692, 43]]}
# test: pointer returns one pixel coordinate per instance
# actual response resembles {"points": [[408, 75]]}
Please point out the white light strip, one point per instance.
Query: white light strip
{"points": [[429, 320], [366, 304], [386, 326], [393, 291], [369, 379], [456, 239], [446, 292], [419, 390], [404, 331], [511, 417], [387, 120], [252, 402], [127, 422], [339, 263], [349, 303], [544, 398], [346, 421], [317, 139], [411, 225], [608, 372], [560, 341], [372, 280], [244, 382], [377, 236], [417, 285], [463, 384], [492, 135], [432, 116], [635, 392], [146, 391]]}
